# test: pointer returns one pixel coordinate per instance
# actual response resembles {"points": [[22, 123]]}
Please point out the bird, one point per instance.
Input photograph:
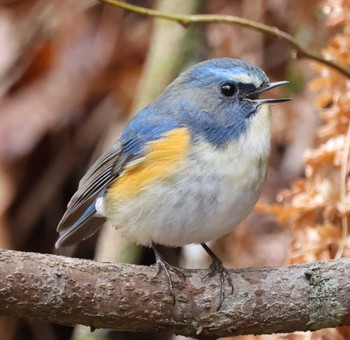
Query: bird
{"points": [[187, 168]]}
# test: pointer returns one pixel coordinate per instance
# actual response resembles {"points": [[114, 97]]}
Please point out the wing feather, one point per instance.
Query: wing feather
{"points": [[95, 180], [96, 176], [80, 220]]}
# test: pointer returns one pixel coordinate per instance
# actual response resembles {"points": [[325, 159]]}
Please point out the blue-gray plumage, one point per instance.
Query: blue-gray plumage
{"points": [[193, 100], [187, 168]]}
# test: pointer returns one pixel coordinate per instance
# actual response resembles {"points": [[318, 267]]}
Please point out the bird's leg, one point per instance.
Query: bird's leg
{"points": [[217, 267], [163, 265]]}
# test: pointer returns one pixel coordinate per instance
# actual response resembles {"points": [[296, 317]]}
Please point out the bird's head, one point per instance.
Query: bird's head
{"points": [[221, 98]]}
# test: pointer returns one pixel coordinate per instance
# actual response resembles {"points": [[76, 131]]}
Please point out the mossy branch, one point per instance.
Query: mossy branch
{"points": [[125, 297]]}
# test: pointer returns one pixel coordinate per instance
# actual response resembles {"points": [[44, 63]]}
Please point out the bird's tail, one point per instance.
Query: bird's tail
{"points": [[83, 227]]}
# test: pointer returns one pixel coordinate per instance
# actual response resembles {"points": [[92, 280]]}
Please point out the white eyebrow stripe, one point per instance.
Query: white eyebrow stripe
{"points": [[246, 79]]}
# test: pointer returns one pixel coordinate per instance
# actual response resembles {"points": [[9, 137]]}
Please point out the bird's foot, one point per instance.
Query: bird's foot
{"points": [[167, 268], [217, 268]]}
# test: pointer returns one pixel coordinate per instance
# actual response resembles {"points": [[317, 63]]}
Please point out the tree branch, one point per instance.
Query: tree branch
{"points": [[185, 20], [127, 297]]}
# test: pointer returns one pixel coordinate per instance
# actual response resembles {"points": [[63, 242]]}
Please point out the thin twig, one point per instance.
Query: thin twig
{"points": [[343, 196], [185, 20]]}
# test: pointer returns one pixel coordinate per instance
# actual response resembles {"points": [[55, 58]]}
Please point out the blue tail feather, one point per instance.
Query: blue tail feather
{"points": [[85, 226]]}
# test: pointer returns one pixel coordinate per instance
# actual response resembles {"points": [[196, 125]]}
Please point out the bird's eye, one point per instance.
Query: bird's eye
{"points": [[228, 89]]}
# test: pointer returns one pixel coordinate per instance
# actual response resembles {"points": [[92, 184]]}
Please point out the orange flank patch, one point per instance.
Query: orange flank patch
{"points": [[161, 159]]}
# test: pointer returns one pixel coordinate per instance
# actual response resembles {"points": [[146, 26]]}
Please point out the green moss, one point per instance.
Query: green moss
{"points": [[324, 309]]}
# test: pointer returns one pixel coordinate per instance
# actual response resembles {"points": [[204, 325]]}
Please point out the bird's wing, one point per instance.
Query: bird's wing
{"points": [[104, 171], [80, 221]]}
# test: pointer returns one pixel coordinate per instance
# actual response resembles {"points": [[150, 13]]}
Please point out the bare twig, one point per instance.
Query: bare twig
{"points": [[127, 297], [301, 52]]}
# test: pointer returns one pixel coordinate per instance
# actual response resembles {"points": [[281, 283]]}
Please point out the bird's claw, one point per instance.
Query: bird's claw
{"points": [[167, 268], [163, 265], [217, 268]]}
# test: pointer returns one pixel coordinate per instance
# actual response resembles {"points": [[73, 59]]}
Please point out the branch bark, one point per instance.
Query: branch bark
{"points": [[185, 20], [127, 297]]}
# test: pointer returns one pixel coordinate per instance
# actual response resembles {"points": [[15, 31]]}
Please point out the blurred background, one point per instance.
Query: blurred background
{"points": [[73, 72]]}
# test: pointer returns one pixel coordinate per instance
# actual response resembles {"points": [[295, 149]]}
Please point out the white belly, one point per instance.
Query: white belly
{"points": [[209, 196]]}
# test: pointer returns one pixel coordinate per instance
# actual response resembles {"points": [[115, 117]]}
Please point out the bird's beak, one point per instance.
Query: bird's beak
{"points": [[254, 96]]}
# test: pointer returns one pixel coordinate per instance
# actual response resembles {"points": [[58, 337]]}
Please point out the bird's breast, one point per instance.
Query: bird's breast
{"points": [[210, 191]]}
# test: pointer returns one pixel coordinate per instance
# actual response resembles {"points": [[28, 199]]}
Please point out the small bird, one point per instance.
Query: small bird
{"points": [[187, 168]]}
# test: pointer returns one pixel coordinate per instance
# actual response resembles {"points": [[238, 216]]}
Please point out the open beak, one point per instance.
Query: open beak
{"points": [[254, 96]]}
